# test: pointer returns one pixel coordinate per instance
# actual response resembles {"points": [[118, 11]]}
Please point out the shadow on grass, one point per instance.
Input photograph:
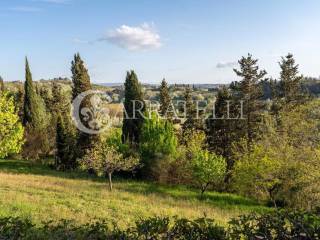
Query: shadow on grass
{"points": [[27, 167], [221, 200]]}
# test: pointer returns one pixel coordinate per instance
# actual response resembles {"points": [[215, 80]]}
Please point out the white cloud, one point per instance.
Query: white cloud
{"points": [[226, 64], [134, 38], [25, 9]]}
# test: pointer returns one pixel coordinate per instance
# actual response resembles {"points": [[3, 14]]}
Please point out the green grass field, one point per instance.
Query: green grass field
{"points": [[37, 192]]}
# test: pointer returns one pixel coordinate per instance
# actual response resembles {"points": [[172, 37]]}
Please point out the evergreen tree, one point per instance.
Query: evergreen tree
{"points": [[290, 80], [165, 101], [60, 104], [250, 92], [193, 121], [19, 101], [64, 144], [134, 109], [29, 96], [81, 83], [80, 76], [35, 119], [64, 131], [1, 84], [221, 127]]}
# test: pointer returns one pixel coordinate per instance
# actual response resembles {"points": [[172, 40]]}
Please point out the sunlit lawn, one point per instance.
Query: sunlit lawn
{"points": [[36, 191]]}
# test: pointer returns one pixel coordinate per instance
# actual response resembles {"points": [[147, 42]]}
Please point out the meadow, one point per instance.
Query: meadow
{"points": [[35, 191]]}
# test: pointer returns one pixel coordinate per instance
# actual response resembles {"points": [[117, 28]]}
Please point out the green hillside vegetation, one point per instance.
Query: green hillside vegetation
{"points": [[35, 191]]}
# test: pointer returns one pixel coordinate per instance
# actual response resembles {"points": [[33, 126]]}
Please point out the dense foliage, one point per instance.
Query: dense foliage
{"points": [[158, 142], [11, 129], [281, 225]]}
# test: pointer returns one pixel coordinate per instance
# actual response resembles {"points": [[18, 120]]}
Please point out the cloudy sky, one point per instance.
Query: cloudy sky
{"points": [[185, 41]]}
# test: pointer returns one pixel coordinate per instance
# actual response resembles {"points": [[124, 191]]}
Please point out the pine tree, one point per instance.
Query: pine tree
{"points": [[165, 101], [134, 109], [290, 81], [1, 85], [81, 83], [250, 92]]}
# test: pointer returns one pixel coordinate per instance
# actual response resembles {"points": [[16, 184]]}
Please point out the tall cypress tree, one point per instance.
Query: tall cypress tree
{"points": [[165, 101], [35, 119], [290, 80], [34, 109], [251, 93], [1, 84], [81, 83], [80, 76], [65, 143], [134, 108]]}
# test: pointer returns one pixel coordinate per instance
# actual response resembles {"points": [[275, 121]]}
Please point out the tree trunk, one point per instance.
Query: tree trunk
{"points": [[203, 189], [110, 180]]}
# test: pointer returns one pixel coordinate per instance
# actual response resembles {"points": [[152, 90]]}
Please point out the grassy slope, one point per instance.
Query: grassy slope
{"points": [[40, 193]]}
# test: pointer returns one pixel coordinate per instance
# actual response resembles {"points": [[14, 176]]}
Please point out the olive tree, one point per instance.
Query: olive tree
{"points": [[105, 159]]}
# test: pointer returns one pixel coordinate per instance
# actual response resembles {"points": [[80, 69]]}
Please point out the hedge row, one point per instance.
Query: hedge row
{"points": [[280, 225]]}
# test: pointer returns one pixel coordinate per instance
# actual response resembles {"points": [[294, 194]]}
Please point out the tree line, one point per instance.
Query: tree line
{"points": [[271, 154]]}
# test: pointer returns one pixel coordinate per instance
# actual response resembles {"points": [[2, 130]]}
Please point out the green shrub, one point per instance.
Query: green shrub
{"points": [[277, 225], [282, 225]]}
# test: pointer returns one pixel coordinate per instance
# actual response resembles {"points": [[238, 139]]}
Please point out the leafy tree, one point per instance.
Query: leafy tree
{"points": [[166, 109], [208, 169], [158, 140], [251, 93], [106, 160], [134, 108], [257, 173], [81, 83], [11, 130], [283, 166]]}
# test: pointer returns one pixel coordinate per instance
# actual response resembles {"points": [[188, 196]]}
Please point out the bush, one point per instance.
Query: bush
{"points": [[282, 225], [279, 225], [153, 228]]}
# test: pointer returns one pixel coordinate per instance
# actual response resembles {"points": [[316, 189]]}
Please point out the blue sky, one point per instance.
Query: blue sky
{"points": [[185, 41]]}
